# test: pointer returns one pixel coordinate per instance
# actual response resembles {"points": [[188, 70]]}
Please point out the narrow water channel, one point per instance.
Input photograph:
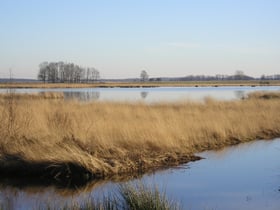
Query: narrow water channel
{"points": [[242, 177], [246, 177]]}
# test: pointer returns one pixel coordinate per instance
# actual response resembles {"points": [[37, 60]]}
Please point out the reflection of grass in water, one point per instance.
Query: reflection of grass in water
{"points": [[127, 197]]}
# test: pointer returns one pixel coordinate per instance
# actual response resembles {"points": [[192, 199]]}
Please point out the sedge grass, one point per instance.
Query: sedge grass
{"points": [[30, 96], [109, 138], [130, 196]]}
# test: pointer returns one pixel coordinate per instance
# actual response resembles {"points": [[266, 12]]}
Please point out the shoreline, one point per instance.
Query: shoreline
{"points": [[252, 83]]}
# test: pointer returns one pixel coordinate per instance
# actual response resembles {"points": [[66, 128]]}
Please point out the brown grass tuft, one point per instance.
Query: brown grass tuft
{"points": [[264, 95]]}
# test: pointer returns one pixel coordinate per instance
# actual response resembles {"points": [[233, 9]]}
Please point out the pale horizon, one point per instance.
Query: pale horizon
{"points": [[121, 38]]}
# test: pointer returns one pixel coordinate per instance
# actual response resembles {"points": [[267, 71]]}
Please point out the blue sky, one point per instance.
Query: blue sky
{"points": [[121, 37]]}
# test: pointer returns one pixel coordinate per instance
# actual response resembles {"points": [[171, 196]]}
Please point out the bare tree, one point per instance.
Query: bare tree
{"points": [[42, 75], [92, 75], [61, 71], [144, 76], [239, 75], [95, 75]]}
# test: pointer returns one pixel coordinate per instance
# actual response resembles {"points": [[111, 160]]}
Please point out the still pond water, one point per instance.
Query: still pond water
{"points": [[150, 95], [242, 177], [246, 176]]}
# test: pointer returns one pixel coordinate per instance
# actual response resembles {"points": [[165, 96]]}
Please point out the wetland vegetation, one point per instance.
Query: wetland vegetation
{"points": [[66, 140]]}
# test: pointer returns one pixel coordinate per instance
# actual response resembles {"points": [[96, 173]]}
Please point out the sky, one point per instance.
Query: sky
{"points": [[123, 37]]}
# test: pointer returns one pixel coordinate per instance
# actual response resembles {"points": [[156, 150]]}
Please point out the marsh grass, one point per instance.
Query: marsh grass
{"points": [[30, 96], [264, 95], [129, 196], [69, 140], [139, 196]]}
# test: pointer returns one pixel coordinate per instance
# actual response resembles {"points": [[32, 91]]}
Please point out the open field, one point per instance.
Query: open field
{"points": [[63, 140], [143, 84]]}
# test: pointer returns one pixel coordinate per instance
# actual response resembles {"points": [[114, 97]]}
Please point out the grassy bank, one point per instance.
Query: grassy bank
{"points": [[63, 140], [144, 84]]}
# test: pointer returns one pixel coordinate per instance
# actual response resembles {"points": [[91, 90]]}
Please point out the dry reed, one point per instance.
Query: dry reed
{"points": [[40, 95], [263, 95], [108, 138]]}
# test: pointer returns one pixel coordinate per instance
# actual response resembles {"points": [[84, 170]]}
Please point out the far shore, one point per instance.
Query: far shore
{"points": [[143, 84]]}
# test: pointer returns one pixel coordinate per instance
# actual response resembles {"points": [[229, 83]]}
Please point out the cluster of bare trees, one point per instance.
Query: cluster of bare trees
{"points": [[66, 73]]}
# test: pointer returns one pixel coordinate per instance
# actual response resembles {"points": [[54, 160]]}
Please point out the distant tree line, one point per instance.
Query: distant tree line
{"points": [[55, 72], [205, 78], [239, 75], [270, 77]]}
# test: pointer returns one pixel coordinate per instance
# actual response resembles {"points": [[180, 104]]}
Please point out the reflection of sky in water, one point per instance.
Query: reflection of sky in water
{"points": [[153, 94], [243, 177]]}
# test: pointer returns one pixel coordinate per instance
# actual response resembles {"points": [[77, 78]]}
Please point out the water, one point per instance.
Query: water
{"points": [[246, 176], [151, 95], [243, 177]]}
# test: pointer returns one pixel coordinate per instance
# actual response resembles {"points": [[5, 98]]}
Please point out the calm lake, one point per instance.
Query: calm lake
{"points": [[242, 177], [150, 95]]}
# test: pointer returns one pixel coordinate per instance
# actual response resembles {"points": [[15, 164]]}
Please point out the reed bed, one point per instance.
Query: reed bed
{"points": [[30, 96], [72, 140], [263, 95]]}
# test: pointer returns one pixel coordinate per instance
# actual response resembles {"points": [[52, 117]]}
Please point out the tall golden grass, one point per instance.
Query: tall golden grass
{"points": [[29, 96], [108, 138]]}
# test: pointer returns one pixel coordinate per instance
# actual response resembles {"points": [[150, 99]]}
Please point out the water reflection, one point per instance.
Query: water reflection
{"points": [[82, 96], [240, 94], [27, 196], [144, 94], [26, 193], [242, 177]]}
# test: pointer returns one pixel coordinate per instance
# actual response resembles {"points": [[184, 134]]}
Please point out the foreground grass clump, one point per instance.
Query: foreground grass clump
{"points": [[70, 140], [132, 196], [139, 196]]}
